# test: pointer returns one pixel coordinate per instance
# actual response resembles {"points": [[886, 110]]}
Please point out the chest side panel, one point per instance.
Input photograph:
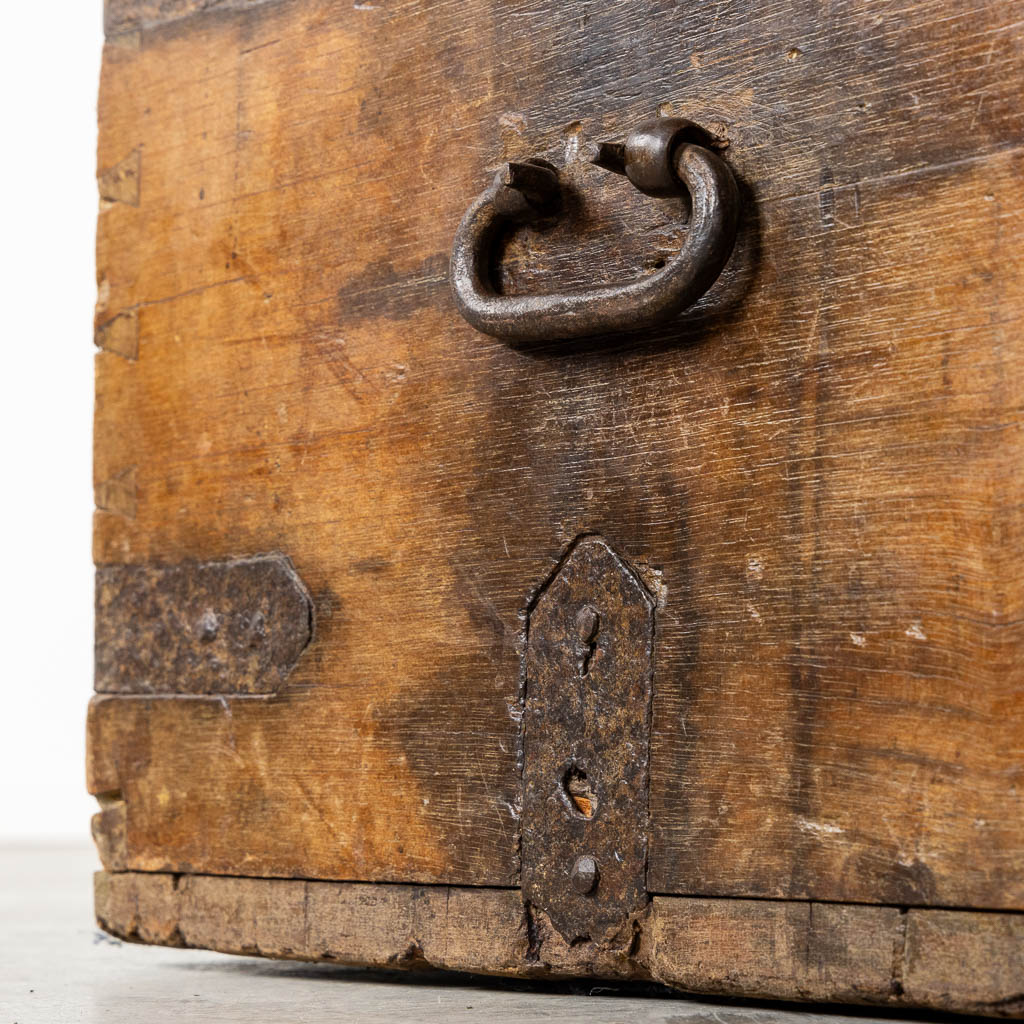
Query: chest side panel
{"points": [[819, 464]]}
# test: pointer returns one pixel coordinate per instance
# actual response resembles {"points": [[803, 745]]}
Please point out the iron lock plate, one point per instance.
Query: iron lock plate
{"points": [[586, 744]]}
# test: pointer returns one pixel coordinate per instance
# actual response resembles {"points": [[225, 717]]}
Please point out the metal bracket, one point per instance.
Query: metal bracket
{"points": [[234, 627], [586, 727]]}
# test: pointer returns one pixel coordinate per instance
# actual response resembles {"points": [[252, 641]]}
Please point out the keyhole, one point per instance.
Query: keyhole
{"points": [[588, 624], [579, 793]]}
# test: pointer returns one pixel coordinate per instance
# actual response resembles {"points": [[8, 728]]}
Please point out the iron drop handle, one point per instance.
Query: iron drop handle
{"points": [[660, 160]]}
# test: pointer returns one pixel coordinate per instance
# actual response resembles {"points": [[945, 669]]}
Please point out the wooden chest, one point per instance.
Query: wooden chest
{"points": [[673, 636]]}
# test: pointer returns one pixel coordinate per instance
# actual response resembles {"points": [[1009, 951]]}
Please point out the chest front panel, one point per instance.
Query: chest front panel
{"points": [[814, 472]]}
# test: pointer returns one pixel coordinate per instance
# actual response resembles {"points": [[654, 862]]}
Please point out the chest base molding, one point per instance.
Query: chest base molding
{"points": [[953, 960]]}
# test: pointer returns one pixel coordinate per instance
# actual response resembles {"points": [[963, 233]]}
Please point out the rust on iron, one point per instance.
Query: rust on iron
{"points": [[661, 159], [232, 627], [586, 740]]}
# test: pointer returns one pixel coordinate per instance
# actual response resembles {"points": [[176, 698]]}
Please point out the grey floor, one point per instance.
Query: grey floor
{"points": [[56, 967]]}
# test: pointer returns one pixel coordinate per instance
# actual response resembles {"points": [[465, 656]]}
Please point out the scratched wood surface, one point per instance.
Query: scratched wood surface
{"points": [[821, 462]]}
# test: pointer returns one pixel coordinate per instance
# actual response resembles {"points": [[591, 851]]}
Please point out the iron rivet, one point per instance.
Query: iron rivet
{"points": [[208, 626], [588, 622], [584, 874]]}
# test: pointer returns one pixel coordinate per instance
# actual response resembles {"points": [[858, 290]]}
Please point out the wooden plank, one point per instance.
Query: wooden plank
{"points": [[46, 902], [955, 957], [763, 948], [814, 951], [820, 462], [848, 708], [363, 802]]}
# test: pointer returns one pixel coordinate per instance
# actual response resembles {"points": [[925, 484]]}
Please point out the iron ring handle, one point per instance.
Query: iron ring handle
{"points": [[659, 159]]}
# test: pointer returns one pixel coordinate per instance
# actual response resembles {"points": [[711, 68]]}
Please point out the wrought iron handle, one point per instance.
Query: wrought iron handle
{"points": [[660, 160]]}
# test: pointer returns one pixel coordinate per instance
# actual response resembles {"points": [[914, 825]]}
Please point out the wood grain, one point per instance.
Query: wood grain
{"points": [[793, 950], [955, 958], [820, 463], [763, 948]]}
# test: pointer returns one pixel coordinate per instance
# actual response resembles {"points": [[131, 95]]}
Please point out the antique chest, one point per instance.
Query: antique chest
{"points": [[559, 484]]}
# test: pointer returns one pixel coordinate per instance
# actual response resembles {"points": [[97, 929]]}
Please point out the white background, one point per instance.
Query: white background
{"points": [[49, 76]]}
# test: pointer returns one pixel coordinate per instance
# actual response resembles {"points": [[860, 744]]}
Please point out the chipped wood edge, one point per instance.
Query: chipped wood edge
{"points": [[120, 183], [962, 961], [120, 335]]}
